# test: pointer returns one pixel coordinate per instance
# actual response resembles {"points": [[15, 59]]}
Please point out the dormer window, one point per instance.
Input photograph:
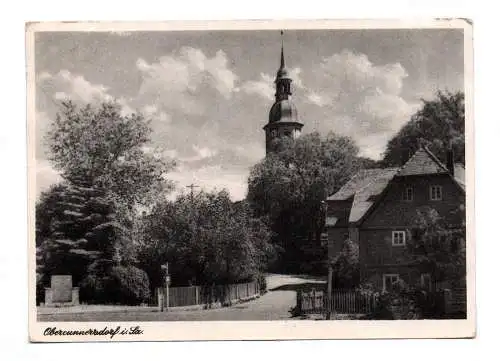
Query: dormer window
{"points": [[408, 194], [436, 193]]}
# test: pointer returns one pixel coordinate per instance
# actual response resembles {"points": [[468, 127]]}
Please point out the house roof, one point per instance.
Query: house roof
{"points": [[422, 162], [366, 185], [360, 180], [366, 196]]}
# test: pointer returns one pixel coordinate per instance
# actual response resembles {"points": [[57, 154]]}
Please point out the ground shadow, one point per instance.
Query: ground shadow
{"points": [[304, 287]]}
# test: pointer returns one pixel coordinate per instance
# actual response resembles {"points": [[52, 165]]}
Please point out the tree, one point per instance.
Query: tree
{"points": [[206, 239], [108, 149], [438, 122], [437, 246], [346, 266], [63, 220], [290, 184], [86, 224]]}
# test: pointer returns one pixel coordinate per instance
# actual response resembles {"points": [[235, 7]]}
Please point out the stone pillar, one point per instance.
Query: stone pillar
{"points": [[75, 296], [48, 297]]}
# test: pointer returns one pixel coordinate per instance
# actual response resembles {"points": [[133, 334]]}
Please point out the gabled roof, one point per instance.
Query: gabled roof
{"points": [[422, 162], [360, 180], [366, 196], [364, 187]]}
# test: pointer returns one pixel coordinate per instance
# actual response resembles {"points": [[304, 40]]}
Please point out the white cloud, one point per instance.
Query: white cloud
{"points": [[263, 87], [359, 98], [179, 81], [210, 178], [294, 74], [317, 99], [68, 86]]}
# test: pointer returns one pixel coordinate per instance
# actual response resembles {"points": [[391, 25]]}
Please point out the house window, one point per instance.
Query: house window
{"points": [[425, 281], [398, 238], [274, 133], [390, 281], [436, 193], [287, 133], [408, 194]]}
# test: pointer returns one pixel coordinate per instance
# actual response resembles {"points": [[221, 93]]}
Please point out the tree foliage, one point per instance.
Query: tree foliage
{"points": [[438, 247], [206, 239], [108, 149], [290, 184], [346, 266], [85, 225], [438, 122]]}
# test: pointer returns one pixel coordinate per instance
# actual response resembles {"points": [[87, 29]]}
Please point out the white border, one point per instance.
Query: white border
{"points": [[267, 330]]}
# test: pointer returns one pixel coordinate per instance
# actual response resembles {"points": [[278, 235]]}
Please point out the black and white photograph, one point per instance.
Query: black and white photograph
{"points": [[298, 173]]}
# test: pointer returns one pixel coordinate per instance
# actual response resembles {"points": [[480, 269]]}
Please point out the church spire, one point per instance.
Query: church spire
{"points": [[283, 116], [282, 65], [283, 81]]}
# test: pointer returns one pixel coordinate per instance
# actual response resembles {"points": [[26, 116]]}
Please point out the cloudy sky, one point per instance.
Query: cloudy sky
{"points": [[209, 93]]}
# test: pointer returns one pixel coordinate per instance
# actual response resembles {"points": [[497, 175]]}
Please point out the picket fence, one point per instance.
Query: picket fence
{"points": [[207, 295], [341, 301]]}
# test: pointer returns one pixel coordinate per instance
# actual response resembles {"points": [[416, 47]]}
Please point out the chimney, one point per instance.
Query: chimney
{"points": [[450, 161]]}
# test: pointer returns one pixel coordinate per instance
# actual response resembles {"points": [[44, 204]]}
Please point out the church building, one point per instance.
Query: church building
{"points": [[283, 116]]}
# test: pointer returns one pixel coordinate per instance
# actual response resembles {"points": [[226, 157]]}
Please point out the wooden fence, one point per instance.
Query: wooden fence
{"points": [[207, 295], [352, 302], [341, 301]]}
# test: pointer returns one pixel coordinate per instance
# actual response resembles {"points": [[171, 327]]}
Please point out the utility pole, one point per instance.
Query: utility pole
{"points": [[192, 187], [191, 215], [167, 284]]}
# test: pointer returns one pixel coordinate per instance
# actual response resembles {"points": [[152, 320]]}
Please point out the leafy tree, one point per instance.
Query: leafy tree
{"points": [[290, 184], [346, 266], [437, 246], [206, 239], [86, 224], [108, 149], [438, 122]]}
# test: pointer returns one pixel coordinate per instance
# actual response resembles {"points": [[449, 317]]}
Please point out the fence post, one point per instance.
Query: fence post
{"points": [[299, 302], [313, 295], [328, 315], [160, 298]]}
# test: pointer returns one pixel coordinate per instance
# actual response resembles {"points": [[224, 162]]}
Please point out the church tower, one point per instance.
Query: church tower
{"points": [[283, 116]]}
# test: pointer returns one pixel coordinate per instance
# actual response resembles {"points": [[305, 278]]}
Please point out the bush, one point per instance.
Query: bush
{"points": [[409, 303], [118, 285]]}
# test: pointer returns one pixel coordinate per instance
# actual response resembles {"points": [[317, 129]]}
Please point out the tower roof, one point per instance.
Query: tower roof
{"points": [[282, 71], [283, 111]]}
